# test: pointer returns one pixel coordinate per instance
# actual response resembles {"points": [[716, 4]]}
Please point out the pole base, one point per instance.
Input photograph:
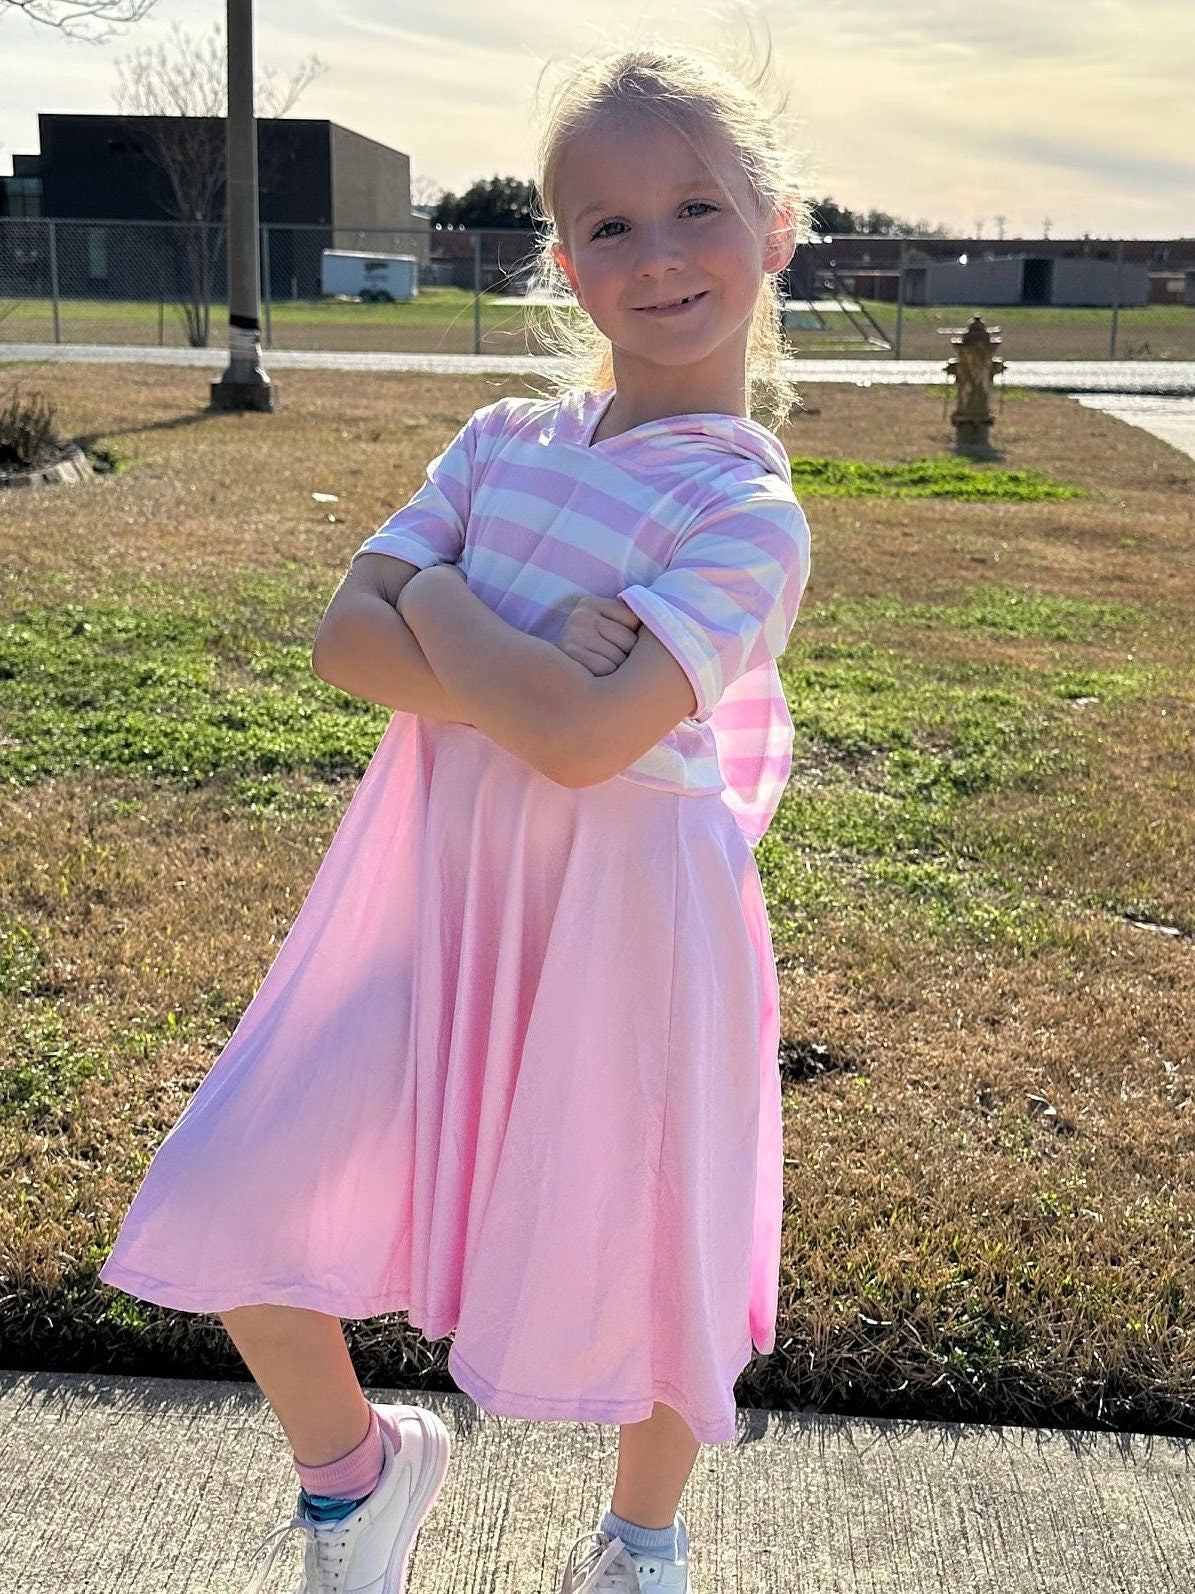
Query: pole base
{"points": [[971, 434], [244, 396]]}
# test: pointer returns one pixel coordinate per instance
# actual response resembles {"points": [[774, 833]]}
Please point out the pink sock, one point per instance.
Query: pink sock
{"points": [[352, 1477]]}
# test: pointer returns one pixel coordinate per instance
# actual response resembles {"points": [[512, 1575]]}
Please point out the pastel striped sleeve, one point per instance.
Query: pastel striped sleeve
{"points": [[430, 528], [727, 601]]}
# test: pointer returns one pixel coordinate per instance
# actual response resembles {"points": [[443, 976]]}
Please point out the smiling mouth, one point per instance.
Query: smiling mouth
{"points": [[673, 303]]}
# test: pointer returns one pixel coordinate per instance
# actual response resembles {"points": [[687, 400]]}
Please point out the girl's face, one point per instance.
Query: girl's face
{"points": [[647, 220]]}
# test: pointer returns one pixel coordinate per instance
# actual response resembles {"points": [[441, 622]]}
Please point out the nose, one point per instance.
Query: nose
{"points": [[658, 249]]}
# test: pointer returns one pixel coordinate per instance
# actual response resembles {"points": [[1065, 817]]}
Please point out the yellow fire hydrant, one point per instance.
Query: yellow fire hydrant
{"points": [[973, 368]]}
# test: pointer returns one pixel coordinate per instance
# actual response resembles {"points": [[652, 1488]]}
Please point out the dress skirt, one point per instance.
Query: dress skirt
{"points": [[513, 1072]]}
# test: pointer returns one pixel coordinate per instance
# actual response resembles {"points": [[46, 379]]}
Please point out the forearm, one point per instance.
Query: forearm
{"points": [[368, 650], [520, 690]]}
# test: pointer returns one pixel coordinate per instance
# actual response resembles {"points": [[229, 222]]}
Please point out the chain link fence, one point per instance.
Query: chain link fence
{"points": [[164, 283]]}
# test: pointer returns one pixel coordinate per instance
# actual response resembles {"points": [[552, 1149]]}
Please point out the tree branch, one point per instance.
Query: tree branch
{"points": [[93, 20]]}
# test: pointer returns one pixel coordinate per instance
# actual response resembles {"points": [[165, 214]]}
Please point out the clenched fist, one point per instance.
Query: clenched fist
{"points": [[599, 634]]}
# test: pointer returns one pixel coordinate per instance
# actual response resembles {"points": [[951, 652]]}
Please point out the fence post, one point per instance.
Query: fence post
{"points": [[53, 231], [265, 290], [1116, 299], [900, 303], [477, 293]]}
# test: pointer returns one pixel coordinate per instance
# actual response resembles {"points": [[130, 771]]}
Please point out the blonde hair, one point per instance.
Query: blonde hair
{"points": [[703, 102]]}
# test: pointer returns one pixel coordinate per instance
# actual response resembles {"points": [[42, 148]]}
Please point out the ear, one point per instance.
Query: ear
{"points": [[565, 265], [781, 242]]}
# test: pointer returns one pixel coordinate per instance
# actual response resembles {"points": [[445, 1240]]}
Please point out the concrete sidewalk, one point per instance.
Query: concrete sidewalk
{"points": [[1168, 417], [113, 1485], [1056, 376]]}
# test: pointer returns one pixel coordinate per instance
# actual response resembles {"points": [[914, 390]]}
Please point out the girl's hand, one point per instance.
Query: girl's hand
{"points": [[599, 633]]}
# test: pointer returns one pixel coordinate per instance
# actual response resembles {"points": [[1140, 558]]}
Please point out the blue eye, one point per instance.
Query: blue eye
{"points": [[689, 204]]}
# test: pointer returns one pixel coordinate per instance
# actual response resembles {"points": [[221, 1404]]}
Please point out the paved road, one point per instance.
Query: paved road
{"points": [[1157, 395], [1059, 376], [114, 1485]]}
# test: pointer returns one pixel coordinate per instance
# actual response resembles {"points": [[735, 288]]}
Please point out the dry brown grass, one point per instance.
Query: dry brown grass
{"points": [[991, 1155], [214, 492], [1135, 547]]}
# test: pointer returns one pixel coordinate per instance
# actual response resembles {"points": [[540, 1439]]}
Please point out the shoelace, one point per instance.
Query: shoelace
{"points": [[323, 1553], [599, 1563]]}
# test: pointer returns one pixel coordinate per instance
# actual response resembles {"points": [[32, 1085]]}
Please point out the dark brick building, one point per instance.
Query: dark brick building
{"points": [[870, 266], [321, 187]]}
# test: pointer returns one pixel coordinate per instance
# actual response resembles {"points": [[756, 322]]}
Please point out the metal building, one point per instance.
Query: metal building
{"points": [[1027, 280]]}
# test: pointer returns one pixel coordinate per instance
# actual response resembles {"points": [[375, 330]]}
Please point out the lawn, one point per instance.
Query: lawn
{"points": [[1031, 332], [441, 321], [980, 880]]}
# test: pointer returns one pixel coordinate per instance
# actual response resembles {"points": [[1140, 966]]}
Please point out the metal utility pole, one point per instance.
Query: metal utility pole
{"points": [[244, 385]]}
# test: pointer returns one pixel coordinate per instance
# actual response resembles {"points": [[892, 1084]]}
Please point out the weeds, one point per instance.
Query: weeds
{"points": [[924, 478], [27, 434]]}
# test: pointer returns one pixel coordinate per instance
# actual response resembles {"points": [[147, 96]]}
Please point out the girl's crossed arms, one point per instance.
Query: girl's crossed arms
{"points": [[580, 711]]}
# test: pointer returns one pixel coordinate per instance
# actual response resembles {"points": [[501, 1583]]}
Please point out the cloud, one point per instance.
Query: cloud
{"points": [[1001, 31], [1106, 163], [1079, 109]]}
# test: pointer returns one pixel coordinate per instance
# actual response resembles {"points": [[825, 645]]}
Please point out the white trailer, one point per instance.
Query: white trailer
{"points": [[377, 279]]}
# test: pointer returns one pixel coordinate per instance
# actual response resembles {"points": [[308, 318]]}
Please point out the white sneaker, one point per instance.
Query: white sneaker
{"points": [[367, 1552], [599, 1564]]}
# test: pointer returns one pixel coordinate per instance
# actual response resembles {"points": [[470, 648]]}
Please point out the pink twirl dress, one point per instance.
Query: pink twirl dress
{"points": [[514, 1069]]}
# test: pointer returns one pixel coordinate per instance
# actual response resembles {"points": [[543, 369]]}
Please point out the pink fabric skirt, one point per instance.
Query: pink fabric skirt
{"points": [[513, 1072]]}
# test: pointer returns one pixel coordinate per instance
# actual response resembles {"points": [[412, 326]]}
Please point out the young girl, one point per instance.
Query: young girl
{"points": [[514, 1070]]}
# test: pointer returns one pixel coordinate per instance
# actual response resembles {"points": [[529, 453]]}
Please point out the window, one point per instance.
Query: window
{"points": [[97, 254], [22, 196]]}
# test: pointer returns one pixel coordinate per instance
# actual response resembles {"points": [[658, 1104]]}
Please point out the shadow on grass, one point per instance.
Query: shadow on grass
{"points": [[87, 440]]}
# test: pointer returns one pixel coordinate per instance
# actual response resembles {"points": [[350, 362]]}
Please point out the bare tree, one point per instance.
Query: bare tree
{"points": [[425, 190], [176, 94], [93, 20]]}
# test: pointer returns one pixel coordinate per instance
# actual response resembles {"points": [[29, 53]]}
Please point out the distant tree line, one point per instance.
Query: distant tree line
{"points": [[491, 202], [835, 221], [508, 202]]}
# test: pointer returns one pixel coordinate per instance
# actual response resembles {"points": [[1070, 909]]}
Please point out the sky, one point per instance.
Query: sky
{"points": [[1070, 116]]}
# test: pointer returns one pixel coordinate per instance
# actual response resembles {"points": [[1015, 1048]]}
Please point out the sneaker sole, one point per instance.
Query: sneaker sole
{"points": [[434, 1453]]}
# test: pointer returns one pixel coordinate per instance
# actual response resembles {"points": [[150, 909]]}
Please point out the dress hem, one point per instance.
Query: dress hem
{"points": [[502, 1402], [541, 1408], [179, 1298]]}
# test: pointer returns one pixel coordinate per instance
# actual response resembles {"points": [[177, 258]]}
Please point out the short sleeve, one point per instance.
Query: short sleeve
{"points": [[430, 529], [728, 600]]}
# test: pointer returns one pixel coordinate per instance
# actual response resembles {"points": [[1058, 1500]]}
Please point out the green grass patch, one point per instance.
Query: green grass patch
{"points": [[432, 307], [948, 477], [891, 747], [277, 797], [110, 456], [893, 739], [987, 609], [1035, 315], [22, 959], [180, 692], [45, 1065]]}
